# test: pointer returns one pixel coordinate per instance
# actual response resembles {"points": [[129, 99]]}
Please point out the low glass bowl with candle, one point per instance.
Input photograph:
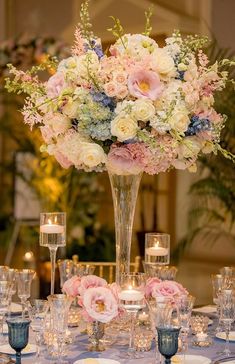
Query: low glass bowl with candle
{"points": [[157, 248]]}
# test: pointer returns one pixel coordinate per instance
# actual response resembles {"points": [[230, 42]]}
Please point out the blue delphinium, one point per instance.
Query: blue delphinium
{"points": [[96, 47], [197, 125]]}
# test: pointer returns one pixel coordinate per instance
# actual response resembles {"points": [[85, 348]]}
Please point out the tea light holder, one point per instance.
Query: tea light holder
{"points": [[157, 248]]}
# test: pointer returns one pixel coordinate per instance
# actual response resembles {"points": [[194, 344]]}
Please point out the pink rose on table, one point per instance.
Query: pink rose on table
{"points": [[55, 84], [90, 281], [150, 284], [70, 286], [168, 289], [145, 84], [100, 304]]}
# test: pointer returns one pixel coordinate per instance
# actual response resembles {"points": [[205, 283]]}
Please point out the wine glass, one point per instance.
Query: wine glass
{"points": [[168, 332], [37, 314], [227, 314], [52, 235], [12, 276], [24, 280], [18, 335], [4, 269], [4, 300], [131, 298], [66, 267]]}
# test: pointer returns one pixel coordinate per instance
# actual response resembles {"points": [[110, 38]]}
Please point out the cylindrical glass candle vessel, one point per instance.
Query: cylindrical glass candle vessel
{"points": [[157, 248], [52, 235]]}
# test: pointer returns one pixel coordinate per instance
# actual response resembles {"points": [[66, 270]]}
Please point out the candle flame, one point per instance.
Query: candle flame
{"points": [[49, 222], [156, 245], [129, 287]]}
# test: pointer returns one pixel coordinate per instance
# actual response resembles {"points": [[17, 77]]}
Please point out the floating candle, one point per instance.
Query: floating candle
{"points": [[52, 229], [131, 295], [157, 251]]}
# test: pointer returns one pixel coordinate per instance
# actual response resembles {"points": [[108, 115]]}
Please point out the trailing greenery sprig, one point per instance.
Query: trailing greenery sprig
{"points": [[117, 30], [148, 27]]}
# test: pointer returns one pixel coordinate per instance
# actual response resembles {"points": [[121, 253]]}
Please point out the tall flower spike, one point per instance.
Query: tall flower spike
{"points": [[78, 47]]}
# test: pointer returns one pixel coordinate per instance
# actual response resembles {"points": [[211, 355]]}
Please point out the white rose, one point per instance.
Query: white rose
{"points": [[71, 109], [179, 120], [92, 154], [58, 122], [163, 63], [143, 110], [189, 147], [124, 127]]}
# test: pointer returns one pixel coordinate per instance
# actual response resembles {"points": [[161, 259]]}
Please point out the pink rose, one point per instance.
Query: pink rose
{"points": [[100, 304], [55, 84], [90, 281], [168, 289], [150, 284], [47, 133], [62, 159], [115, 289], [145, 84], [71, 286]]}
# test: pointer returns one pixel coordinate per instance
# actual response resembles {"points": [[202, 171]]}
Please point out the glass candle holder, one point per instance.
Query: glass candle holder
{"points": [[199, 324], [157, 248], [52, 236]]}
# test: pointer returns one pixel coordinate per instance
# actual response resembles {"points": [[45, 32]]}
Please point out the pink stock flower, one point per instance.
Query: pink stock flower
{"points": [[91, 281], [150, 284], [100, 304], [55, 85], [71, 286], [145, 84], [168, 289]]}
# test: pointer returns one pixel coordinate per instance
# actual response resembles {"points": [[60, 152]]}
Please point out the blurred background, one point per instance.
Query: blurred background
{"points": [[198, 210]]}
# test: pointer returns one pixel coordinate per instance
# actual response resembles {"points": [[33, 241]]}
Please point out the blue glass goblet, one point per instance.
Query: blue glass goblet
{"points": [[168, 342], [18, 335]]}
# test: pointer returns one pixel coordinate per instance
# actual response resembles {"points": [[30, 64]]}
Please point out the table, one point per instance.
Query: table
{"points": [[79, 351]]}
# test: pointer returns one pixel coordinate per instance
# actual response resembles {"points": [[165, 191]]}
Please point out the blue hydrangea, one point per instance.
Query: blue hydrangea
{"points": [[100, 130], [103, 99], [197, 125]]}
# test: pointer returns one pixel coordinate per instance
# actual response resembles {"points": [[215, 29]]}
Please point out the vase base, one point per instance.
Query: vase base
{"points": [[97, 348]]}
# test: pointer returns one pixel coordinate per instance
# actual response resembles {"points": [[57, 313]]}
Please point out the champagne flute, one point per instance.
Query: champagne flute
{"points": [[131, 298], [24, 280], [227, 314], [52, 236], [18, 335]]}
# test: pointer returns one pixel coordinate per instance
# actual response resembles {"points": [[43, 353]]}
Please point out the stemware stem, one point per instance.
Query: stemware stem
{"points": [[1, 330], [53, 262], [18, 357], [226, 349], [132, 329]]}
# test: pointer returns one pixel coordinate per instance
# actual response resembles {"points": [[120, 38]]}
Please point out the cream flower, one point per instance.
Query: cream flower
{"points": [[189, 147], [92, 154], [143, 110], [163, 63], [179, 119], [58, 122], [71, 109], [124, 127]]}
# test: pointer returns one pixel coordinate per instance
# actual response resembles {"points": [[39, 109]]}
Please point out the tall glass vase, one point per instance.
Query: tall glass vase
{"points": [[124, 191]]}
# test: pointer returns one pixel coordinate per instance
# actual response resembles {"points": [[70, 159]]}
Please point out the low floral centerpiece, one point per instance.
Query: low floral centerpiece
{"points": [[156, 288], [135, 108]]}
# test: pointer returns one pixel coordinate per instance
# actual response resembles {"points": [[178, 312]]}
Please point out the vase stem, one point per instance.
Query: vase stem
{"points": [[124, 192]]}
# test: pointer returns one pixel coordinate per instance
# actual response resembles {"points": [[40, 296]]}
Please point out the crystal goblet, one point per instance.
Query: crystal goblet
{"points": [[18, 335], [168, 342], [4, 299]]}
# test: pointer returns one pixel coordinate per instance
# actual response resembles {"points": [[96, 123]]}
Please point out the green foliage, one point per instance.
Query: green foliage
{"points": [[117, 30]]}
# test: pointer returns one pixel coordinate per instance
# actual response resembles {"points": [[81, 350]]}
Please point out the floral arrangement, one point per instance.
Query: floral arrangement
{"points": [[98, 299], [137, 108], [157, 288]]}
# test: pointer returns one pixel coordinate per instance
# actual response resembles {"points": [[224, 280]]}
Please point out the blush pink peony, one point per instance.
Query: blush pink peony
{"points": [[150, 284], [70, 287], [168, 289], [145, 84], [100, 304], [90, 281], [55, 85]]}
